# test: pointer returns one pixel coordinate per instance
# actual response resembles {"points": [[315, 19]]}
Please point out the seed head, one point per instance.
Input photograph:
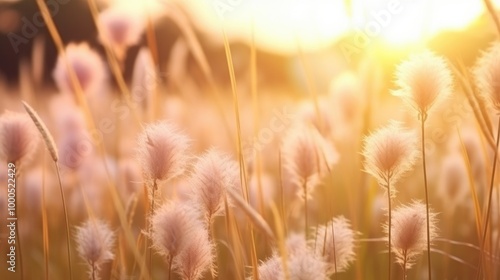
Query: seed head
{"points": [[87, 66], [424, 80], [337, 249], [389, 153], [212, 175], [409, 232], [487, 76], [163, 151], [18, 137], [95, 243]]}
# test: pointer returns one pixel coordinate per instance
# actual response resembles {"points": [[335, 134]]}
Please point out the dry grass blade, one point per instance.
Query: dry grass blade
{"points": [[47, 137], [115, 66], [49, 142], [473, 102], [477, 207], [252, 214], [45, 227]]}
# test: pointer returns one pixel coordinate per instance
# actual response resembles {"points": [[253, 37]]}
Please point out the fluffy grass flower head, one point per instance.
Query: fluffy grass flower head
{"points": [[307, 155], [87, 66], [423, 80], [95, 242], [487, 76], [271, 269], [18, 137], [172, 227], [336, 249], [196, 257], [389, 153], [162, 151], [212, 175], [307, 266], [409, 233], [120, 28]]}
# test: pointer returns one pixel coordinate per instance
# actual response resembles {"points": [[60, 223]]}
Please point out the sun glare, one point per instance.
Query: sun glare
{"points": [[280, 24]]}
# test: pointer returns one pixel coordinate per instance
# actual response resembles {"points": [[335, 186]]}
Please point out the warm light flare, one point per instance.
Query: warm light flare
{"points": [[280, 24]]}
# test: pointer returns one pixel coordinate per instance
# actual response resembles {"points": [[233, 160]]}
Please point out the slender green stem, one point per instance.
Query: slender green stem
{"points": [[389, 229], [65, 210], [423, 117], [488, 207]]}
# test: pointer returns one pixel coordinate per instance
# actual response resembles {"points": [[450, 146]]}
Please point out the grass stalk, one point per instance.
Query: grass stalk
{"points": [[66, 219], [150, 228], [45, 227], [422, 127], [51, 147], [389, 229], [488, 206]]}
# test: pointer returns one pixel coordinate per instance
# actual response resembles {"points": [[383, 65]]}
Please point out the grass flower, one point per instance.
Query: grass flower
{"points": [[18, 137], [389, 153], [271, 269], [87, 66], [307, 266], [95, 245], [172, 228], [196, 257], [120, 28], [424, 80], [163, 155], [337, 249], [409, 238], [307, 155], [212, 175], [163, 152], [487, 76]]}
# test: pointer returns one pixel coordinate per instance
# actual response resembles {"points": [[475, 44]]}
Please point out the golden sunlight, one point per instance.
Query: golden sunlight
{"points": [[280, 24]]}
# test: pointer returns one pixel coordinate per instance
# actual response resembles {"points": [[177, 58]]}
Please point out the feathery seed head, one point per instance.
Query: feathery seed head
{"points": [[172, 227], [271, 269], [95, 242], [487, 76], [307, 155], [212, 175], [424, 80], [307, 266], [196, 257], [296, 244], [120, 28], [389, 153], [18, 137], [87, 66], [409, 233], [337, 249], [162, 151]]}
